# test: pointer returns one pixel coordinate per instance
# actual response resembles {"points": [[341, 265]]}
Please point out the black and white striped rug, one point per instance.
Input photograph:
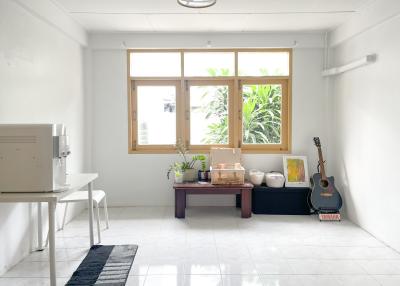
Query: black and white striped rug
{"points": [[106, 265]]}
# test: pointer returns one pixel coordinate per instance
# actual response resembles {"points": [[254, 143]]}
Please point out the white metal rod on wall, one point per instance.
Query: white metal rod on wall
{"points": [[368, 59]]}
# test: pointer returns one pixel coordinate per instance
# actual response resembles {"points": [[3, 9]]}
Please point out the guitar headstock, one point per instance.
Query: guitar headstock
{"points": [[317, 142]]}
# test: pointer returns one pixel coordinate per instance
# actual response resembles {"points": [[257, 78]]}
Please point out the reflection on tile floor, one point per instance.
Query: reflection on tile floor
{"points": [[214, 246]]}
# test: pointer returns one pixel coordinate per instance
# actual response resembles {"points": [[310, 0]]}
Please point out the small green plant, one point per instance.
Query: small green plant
{"points": [[176, 168], [179, 168], [188, 164], [202, 160]]}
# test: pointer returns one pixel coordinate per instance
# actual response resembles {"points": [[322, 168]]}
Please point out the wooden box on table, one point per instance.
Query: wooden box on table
{"points": [[226, 168]]}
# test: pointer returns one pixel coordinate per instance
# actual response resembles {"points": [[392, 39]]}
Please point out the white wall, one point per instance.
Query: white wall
{"points": [[366, 126], [41, 81], [116, 41], [141, 179]]}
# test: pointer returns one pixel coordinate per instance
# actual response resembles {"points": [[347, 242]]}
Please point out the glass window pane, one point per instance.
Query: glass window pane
{"points": [[262, 113], [209, 64], [263, 63], [156, 115], [209, 115], [155, 64]]}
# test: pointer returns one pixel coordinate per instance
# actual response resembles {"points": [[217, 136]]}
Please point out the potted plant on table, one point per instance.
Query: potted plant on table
{"points": [[189, 173], [178, 173], [203, 173], [186, 166]]}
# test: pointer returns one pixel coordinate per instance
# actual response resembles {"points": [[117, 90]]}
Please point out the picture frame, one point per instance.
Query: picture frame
{"points": [[295, 169]]}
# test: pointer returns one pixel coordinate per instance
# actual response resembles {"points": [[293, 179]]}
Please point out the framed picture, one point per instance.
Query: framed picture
{"points": [[296, 171]]}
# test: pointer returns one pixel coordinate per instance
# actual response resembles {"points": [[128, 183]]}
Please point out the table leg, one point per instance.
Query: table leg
{"points": [[52, 246], [246, 203], [90, 210], [180, 198], [40, 227]]}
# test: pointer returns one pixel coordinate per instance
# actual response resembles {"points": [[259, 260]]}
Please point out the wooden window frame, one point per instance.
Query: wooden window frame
{"points": [[204, 82], [134, 116], [235, 83], [284, 145]]}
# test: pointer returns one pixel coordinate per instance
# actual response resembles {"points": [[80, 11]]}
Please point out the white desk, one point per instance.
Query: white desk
{"points": [[75, 182]]}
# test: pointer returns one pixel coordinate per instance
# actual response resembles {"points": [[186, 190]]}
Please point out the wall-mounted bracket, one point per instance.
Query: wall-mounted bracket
{"points": [[368, 59]]}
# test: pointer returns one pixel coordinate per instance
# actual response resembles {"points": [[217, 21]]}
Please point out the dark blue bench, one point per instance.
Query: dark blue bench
{"points": [[283, 201]]}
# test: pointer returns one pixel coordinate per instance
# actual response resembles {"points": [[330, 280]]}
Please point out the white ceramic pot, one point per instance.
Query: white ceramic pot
{"points": [[178, 178], [256, 177], [275, 179]]}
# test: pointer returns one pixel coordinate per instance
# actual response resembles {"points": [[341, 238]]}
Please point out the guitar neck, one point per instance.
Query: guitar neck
{"points": [[321, 164]]}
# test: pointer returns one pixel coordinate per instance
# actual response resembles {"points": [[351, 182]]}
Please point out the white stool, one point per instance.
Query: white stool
{"points": [[81, 196]]}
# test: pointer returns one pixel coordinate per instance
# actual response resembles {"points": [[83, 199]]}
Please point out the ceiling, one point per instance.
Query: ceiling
{"points": [[225, 16]]}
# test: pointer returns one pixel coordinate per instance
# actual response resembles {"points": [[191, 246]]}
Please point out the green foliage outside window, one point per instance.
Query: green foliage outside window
{"points": [[261, 113]]}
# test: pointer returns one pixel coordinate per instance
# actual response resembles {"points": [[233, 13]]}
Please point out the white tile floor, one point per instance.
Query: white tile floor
{"points": [[214, 246]]}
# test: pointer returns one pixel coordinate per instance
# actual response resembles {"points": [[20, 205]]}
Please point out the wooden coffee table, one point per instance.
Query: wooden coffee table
{"points": [[181, 190]]}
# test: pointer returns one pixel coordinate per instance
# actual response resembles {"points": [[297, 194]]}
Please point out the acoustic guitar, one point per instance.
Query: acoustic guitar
{"points": [[324, 195]]}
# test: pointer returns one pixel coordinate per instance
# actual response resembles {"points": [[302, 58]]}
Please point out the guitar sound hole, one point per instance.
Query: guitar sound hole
{"points": [[324, 183]]}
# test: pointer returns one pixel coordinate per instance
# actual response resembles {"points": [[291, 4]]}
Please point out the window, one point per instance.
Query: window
{"points": [[155, 64], [209, 64], [209, 113], [263, 63], [264, 116], [157, 127], [154, 114], [209, 97]]}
